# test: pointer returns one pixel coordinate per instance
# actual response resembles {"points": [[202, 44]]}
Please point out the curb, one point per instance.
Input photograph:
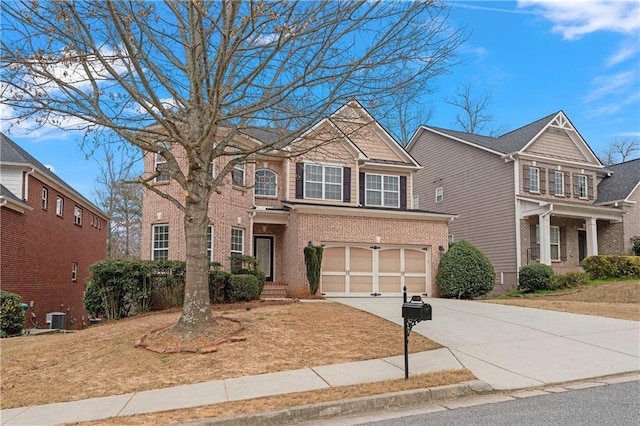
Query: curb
{"points": [[365, 404]]}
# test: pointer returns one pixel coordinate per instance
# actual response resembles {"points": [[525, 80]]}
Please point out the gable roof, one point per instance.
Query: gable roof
{"points": [[12, 153], [625, 177]]}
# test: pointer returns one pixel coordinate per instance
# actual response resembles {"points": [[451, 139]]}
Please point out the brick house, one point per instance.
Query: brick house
{"points": [[353, 195], [536, 194], [49, 235]]}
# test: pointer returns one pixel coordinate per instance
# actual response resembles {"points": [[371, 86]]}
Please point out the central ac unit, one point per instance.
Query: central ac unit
{"points": [[56, 320]]}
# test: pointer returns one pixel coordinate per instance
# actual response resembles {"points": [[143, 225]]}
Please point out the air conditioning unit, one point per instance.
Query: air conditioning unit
{"points": [[56, 320]]}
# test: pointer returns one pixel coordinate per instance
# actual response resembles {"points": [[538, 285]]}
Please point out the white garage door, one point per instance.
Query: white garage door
{"points": [[363, 271]]}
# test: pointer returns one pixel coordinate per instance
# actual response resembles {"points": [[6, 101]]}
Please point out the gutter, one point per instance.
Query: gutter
{"points": [[26, 183]]}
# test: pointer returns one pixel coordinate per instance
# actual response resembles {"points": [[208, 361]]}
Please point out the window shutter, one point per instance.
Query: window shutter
{"points": [[299, 180], [590, 188], [552, 181], [525, 178], [346, 184], [533, 246], [567, 185], [543, 180], [576, 190], [361, 187], [563, 243], [403, 192]]}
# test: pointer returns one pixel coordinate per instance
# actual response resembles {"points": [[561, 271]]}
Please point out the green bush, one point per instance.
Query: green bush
{"points": [[92, 300], [568, 280], [219, 286], [244, 287], [534, 277], [11, 314], [464, 272], [313, 262], [612, 266]]}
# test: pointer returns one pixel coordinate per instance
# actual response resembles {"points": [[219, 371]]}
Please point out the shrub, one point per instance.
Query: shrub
{"points": [[568, 280], [92, 300], [464, 272], [244, 287], [612, 266], [313, 262], [534, 277], [219, 286], [598, 266], [11, 314]]}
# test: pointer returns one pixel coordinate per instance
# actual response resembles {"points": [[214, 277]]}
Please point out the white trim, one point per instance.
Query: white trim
{"points": [[439, 195], [382, 191], [370, 212], [255, 183], [153, 240], [243, 237], [323, 182], [483, 148]]}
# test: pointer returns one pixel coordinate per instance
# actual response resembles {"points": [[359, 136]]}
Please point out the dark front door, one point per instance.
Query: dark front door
{"points": [[582, 244], [263, 252]]}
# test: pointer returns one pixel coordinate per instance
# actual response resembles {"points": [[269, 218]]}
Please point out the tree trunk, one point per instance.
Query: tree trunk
{"points": [[197, 315]]}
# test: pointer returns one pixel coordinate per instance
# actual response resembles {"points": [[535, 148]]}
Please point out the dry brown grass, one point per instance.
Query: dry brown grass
{"points": [[102, 360], [612, 299], [290, 400]]}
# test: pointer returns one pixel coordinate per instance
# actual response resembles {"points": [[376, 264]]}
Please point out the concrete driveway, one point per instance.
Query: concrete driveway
{"points": [[511, 347]]}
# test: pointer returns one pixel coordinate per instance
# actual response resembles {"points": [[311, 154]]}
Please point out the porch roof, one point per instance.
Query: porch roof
{"points": [[533, 207]]}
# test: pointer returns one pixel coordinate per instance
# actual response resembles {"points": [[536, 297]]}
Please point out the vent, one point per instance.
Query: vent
{"points": [[56, 320]]}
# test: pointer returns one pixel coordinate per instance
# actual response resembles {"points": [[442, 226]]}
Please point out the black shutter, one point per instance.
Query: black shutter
{"points": [[543, 180], [403, 192], [567, 184], [299, 180], [576, 189], [563, 243], [361, 187], [525, 178], [346, 184], [534, 252], [590, 188], [552, 182]]}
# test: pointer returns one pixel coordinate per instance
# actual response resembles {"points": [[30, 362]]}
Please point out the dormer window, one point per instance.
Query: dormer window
{"points": [[266, 183]]}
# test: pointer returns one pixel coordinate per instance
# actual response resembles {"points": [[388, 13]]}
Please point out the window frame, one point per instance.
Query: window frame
{"points": [[77, 215], [581, 181], [210, 242], [59, 206], [383, 191], [558, 183], [551, 243], [154, 240], [45, 198], [74, 271], [534, 178], [415, 202], [235, 237], [439, 194], [323, 183], [237, 169], [275, 183], [159, 160]]}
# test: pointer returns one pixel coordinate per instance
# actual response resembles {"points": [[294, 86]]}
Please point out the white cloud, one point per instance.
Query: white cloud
{"points": [[627, 50], [613, 84], [574, 19]]}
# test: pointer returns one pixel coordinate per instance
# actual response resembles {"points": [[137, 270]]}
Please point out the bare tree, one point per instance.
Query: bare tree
{"points": [[196, 73], [621, 150], [474, 117], [120, 198]]}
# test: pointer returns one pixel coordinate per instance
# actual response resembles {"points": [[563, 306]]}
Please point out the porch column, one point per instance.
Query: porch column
{"points": [[592, 236], [544, 221]]}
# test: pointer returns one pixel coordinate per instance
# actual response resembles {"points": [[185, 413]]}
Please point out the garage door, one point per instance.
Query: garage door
{"points": [[363, 271]]}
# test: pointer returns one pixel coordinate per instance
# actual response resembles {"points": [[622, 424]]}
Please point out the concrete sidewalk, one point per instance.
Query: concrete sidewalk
{"points": [[511, 347], [236, 389]]}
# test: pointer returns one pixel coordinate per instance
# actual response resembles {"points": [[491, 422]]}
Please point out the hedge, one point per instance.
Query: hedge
{"points": [[534, 277], [464, 272], [612, 266], [11, 314]]}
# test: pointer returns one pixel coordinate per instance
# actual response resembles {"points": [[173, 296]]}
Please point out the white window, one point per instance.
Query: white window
{"points": [[559, 183], [237, 175], [59, 206], [554, 241], [382, 190], [74, 271], [212, 169], [266, 183], [45, 198], [582, 186], [323, 182], [450, 239], [77, 215], [160, 243], [210, 243], [160, 164], [439, 194], [534, 179], [415, 202], [237, 241]]}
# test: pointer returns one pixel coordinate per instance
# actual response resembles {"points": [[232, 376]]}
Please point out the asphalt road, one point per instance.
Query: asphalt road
{"points": [[616, 404]]}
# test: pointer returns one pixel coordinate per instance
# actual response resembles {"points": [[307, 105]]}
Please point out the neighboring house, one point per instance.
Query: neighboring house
{"points": [[621, 188], [49, 235], [352, 195], [524, 197]]}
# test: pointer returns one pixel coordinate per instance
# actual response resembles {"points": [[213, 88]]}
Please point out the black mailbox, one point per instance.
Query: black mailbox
{"points": [[416, 311]]}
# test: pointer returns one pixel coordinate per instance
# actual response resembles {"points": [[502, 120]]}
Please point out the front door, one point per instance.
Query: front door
{"points": [[263, 252], [582, 244]]}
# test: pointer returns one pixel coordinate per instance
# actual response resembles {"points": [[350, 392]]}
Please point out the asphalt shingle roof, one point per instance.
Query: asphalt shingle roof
{"points": [[625, 176], [4, 191]]}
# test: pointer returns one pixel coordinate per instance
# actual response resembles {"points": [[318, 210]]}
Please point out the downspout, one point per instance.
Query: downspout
{"points": [[26, 183], [516, 189]]}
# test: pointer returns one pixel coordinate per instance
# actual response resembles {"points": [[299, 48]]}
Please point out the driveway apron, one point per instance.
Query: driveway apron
{"points": [[512, 347]]}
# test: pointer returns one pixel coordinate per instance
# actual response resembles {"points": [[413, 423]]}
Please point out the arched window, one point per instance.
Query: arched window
{"points": [[266, 181]]}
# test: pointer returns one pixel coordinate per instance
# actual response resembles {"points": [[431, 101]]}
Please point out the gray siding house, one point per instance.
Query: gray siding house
{"points": [[530, 195]]}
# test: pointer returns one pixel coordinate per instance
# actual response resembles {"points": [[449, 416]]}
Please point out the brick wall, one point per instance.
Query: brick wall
{"points": [[39, 248]]}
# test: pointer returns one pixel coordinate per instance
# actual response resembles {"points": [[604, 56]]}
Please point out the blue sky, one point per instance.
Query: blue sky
{"points": [[533, 57]]}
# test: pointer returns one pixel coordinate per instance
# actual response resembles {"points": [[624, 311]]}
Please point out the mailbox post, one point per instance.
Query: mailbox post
{"points": [[413, 312]]}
